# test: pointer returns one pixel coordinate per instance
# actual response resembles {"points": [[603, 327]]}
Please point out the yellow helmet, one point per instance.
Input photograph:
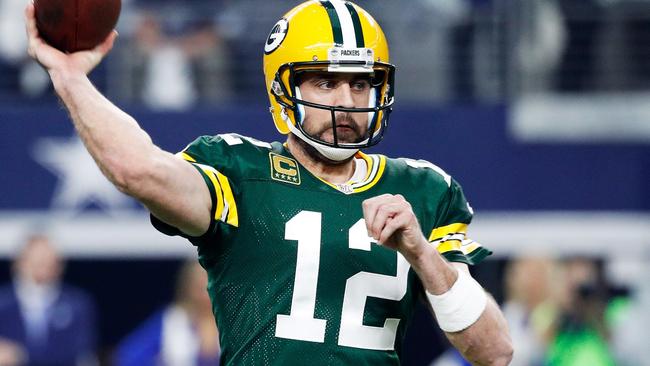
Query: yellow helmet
{"points": [[329, 36]]}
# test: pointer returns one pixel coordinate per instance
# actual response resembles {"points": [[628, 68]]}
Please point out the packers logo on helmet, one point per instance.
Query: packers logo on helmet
{"points": [[333, 36], [277, 35]]}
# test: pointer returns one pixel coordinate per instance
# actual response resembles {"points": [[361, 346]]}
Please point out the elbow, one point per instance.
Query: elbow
{"points": [[127, 180], [132, 178]]}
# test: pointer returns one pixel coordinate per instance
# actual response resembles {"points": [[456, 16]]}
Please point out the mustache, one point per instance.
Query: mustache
{"points": [[353, 131], [346, 120]]}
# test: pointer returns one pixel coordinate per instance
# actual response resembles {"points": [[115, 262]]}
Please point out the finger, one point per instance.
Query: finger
{"points": [[31, 29], [397, 202], [384, 213], [393, 224], [370, 207], [30, 21], [104, 47]]}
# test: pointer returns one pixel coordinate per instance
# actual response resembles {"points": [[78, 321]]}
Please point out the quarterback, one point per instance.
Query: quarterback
{"points": [[316, 252]]}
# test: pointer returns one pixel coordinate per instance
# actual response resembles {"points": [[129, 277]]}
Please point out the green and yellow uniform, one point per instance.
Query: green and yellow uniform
{"points": [[293, 276]]}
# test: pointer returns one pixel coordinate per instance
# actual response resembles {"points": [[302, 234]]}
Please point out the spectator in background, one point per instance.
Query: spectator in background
{"points": [[183, 333], [42, 320], [176, 57], [18, 73], [539, 38], [529, 308], [581, 333], [584, 22], [240, 23]]}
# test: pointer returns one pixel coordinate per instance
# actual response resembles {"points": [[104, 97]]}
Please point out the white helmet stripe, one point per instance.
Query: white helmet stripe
{"points": [[347, 26]]}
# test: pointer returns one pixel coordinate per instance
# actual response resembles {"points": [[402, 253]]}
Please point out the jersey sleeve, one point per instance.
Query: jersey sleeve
{"points": [[450, 229], [213, 159]]}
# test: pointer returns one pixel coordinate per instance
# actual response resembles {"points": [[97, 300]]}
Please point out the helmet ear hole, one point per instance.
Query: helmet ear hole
{"points": [[378, 78], [276, 88], [300, 108]]}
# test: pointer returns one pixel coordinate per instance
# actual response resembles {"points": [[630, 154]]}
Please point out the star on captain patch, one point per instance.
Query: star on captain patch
{"points": [[80, 182], [284, 169]]}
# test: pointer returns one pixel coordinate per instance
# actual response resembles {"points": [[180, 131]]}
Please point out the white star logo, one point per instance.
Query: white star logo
{"points": [[80, 182]]}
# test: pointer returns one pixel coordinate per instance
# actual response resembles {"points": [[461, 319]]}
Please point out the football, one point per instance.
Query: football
{"points": [[75, 25]]}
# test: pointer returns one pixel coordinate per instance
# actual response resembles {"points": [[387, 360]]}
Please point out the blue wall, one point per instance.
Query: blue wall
{"points": [[470, 142]]}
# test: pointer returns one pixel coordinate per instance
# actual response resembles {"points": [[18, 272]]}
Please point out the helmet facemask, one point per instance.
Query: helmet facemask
{"points": [[286, 90]]}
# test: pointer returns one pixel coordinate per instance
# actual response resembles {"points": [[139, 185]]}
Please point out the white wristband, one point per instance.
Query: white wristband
{"points": [[461, 306]]}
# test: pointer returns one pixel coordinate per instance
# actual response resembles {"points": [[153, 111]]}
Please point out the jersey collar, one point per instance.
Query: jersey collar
{"points": [[375, 164]]}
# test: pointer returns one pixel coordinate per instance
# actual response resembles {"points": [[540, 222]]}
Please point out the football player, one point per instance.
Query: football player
{"points": [[316, 252]]}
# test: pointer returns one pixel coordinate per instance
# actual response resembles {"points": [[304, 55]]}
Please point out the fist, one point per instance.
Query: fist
{"points": [[390, 220]]}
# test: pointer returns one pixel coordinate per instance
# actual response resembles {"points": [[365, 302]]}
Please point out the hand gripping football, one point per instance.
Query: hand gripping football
{"points": [[75, 25]]}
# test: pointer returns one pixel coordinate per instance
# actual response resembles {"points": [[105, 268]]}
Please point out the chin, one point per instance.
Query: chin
{"points": [[315, 155], [333, 162]]}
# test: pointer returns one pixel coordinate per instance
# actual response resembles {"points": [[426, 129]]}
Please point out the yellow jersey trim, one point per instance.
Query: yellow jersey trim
{"points": [[469, 246], [210, 173], [376, 167], [226, 208], [373, 178], [448, 245], [368, 160], [231, 216], [187, 157], [441, 232]]}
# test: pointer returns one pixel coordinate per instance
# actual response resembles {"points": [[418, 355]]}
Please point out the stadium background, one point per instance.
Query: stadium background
{"points": [[539, 108]]}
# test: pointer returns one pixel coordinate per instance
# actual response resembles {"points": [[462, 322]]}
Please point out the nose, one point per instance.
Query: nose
{"points": [[344, 96]]}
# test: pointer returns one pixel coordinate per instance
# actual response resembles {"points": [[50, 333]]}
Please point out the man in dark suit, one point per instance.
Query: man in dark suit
{"points": [[42, 320]]}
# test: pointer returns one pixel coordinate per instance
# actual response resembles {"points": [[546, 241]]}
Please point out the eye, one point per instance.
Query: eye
{"points": [[360, 85], [326, 84]]}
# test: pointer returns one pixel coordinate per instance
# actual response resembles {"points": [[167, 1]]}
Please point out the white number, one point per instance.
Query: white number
{"points": [[363, 285], [232, 139], [301, 324], [425, 164]]}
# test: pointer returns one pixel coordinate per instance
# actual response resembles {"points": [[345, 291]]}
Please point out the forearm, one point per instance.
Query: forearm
{"points": [[112, 137], [436, 274], [487, 341], [484, 342]]}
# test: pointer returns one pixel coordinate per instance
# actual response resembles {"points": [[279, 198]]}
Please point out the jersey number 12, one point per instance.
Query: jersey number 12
{"points": [[301, 324]]}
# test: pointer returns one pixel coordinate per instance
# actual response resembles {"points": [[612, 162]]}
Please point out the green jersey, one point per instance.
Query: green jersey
{"points": [[293, 276]]}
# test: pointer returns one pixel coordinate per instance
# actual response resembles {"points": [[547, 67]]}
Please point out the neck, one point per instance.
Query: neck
{"points": [[332, 171]]}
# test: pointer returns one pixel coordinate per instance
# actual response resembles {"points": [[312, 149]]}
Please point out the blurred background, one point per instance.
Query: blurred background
{"points": [[540, 108]]}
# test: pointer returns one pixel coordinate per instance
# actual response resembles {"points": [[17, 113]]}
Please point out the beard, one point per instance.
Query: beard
{"points": [[347, 131], [315, 154]]}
